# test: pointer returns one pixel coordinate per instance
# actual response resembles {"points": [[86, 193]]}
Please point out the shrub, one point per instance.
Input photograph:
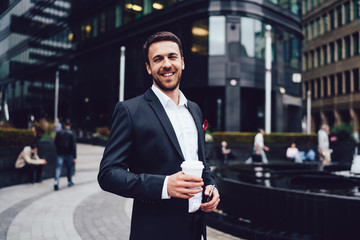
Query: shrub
{"points": [[272, 138], [343, 132], [12, 137]]}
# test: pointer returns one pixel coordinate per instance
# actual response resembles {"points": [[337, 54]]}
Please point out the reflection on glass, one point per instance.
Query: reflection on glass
{"points": [[252, 38], [200, 36], [291, 50], [217, 35]]}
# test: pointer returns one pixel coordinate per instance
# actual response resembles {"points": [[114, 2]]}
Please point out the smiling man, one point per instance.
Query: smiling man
{"points": [[151, 136]]}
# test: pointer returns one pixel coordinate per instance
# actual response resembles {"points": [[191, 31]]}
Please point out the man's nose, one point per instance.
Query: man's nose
{"points": [[166, 63]]}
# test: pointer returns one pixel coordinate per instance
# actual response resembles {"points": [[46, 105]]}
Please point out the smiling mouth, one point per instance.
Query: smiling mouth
{"points": [[167, 74]]}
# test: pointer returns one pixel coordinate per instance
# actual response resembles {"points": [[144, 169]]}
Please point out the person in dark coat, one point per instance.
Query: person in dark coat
{"points": [[65, 144]]}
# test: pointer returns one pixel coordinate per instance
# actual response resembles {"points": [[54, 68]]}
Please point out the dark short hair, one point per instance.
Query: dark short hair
{"points": [[158, 37], [67, 122], [33, 146]]}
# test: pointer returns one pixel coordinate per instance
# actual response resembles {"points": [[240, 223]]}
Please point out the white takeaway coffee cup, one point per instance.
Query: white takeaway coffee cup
{"points": [[192, 167]]}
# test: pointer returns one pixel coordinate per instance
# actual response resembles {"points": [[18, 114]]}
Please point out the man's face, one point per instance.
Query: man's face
{"points": [[166, 65]]}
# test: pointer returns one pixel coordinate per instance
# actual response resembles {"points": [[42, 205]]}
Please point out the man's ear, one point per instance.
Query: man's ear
{"points": [[148, 68], [182, 64]]}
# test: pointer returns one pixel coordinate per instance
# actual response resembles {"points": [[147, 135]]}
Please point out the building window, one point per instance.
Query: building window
{"points": [[200, 37], [318, 2], [356, 43], [118, 15], [332, 20], [347, 46], [252, 38], [312, 59], [318, 26], [312, 4], [291, 50], [312, 29], [325, 24], [347, 12], [294, 6], [217, 35], [307, 5], [339, 16], [325, 83], [356, 80], [332, 85], [339, 49], [318, 84], [347, 82], [339, 83], [318, 57], [306, 61], [332, 52], [306, 33], [356, 9], [325, 60]]}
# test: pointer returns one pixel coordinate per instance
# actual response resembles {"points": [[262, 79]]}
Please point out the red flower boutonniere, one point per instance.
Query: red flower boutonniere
{"points": [[205, 125]]}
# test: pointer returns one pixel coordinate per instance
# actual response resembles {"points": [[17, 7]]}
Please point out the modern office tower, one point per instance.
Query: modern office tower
{"points": [[78, 44], [331, 61]]}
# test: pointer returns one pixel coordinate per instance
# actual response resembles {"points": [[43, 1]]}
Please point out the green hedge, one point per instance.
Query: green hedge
{"points": [[12, 137], [272, 138]]}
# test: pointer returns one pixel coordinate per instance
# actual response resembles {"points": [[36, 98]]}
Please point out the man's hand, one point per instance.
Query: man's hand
{"points": [[266, 148], [184, 186], [212, 204]]}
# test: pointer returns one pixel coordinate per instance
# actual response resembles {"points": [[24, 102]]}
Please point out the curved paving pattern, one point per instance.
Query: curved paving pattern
{"points": [[84, 211], [94, 221]]}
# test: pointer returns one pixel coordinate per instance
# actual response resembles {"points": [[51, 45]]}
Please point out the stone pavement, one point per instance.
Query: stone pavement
{"points": [[83, 211]]}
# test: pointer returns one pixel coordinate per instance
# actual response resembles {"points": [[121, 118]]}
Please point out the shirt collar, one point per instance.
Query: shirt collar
{"points": [[164, 99]]}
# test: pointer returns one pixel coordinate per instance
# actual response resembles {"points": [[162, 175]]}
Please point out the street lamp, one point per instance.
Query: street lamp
{"points": [[268, 56]]}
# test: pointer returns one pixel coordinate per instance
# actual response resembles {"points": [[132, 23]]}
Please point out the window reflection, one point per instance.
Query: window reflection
{"points": [[217, 35], [200, 36], [252, 38], [291, 50]]}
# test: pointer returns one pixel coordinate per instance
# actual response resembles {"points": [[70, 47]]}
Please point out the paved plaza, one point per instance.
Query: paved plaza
{"points": [[83, 211]]}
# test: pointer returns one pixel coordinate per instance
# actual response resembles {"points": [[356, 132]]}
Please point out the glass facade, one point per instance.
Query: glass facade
{"points": [[217, 35], [39, 39]]}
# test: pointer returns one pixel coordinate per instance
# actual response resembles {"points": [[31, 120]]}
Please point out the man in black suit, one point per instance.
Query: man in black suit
{"points": [[151, 135]]}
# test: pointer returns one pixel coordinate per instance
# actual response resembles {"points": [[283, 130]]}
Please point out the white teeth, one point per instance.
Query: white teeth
{"points": [[167, 74]]}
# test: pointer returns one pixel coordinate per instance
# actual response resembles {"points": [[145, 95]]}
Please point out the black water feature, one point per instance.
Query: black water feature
{"points": [[288, 201]]}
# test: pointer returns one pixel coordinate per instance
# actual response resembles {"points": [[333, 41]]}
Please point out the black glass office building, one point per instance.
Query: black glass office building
{"points": [[80, 42]]}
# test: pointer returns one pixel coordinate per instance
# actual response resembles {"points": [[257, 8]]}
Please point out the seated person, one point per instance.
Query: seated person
{"points": [[226, 152], [29, 159], [293, 154]]}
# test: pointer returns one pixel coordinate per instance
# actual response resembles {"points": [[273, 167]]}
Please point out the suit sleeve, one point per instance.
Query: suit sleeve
{"points": [[114, 175]]}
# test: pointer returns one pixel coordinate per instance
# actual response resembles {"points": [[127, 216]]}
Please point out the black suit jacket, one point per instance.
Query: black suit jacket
{"points": [[142, 149]]}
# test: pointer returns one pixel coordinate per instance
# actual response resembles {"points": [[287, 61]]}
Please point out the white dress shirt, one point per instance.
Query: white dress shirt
{"points": [[259, 140], [186, 134]]}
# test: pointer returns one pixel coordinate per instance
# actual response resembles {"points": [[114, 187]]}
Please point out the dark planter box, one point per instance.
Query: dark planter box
{"points": [[343, 152]]}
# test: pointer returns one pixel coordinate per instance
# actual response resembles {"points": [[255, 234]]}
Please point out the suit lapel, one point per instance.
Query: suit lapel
{"points": [[198, 124], [164, 119]]}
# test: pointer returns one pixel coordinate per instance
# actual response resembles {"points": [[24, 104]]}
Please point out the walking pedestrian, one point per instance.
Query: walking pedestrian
{"points": [[259, 147], [65, 144]]}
